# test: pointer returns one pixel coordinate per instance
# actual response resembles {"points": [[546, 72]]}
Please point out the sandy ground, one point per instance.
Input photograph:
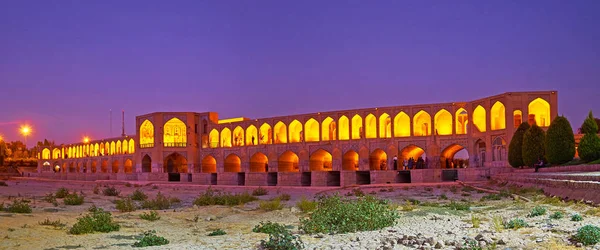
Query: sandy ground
{"points": [[186, 225]]}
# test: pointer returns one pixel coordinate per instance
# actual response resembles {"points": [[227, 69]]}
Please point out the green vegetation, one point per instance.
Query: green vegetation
{"points": [[282, 241], [515, 224], [217, 232], [284, 197], [498, 223], [161, 202], [269, 228], [576, 217], [150, 239], [19, 206], [491, 197], [462, 206], [475, 220], [335, 214], [589, 147], [537, 211], [55, 224], [50, 198], [73, 199], [533, 145], [589, 125], [306, 205], [211, 197], [271, 205], [560, 141], [62, 193], [125, 205], [515, 149], [139, 195], [96, 221], [260, 191], [152, 216], [588, 235], [111, 191], [557, 215]]}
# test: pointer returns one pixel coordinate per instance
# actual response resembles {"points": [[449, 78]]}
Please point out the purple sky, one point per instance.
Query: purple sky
{"points": [[64, 64]]}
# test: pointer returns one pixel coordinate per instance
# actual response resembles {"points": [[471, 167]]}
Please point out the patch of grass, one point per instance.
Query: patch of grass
{"points": [[62, 193], [19, 206], [260, 191], [554, 201], [475, 221], [125, 205], [557, 215], [588, 235], [111, 191], [537, 211], [150, 238], [73, 199], [139, 195], [55, 223], [50, 198], [217, 233], [515, 224], [269, 228], [271, 205], [335, 214], [408, 206], [161, 202], [428, 204], [498, 223], [282, 241], [443, 197], [593, 211], [3, 184], [152, 216], [491, 197], [96, 221], [463, 206], [306, 205], [284, 197], [211, 197], [576, 217], [356, 192]]}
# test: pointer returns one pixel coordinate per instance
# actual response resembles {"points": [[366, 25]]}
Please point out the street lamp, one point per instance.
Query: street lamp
{"points": [[25, 131], [86, 139]]}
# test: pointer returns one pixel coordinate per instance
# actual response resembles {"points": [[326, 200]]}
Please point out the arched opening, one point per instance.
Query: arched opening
{"points": [[94, 166], [56, 153], [422, 124], [115, 166], [238, 136], [175, 163], [226, 138], [251, 135], [112, 149], [104, 166], [498, 116], [46, 166], [96, 150], [539, 112], [128, 166], [146, 164], [454, 156], [118, 148], [233, 163], [357, 128], [462, 119], [175, 133], [412, 151], [479, 118], [311, 130], [131, 149], [280, 133], [401, 125], [288, 162], [344, 128], [517, 118], [259, 163], [147, 134], [296, 131], [371, 126], [46, 154], [125, 146], [214, 138], [443, 122], [499, 149], [350, 161], [56, 168], [385, 126], [266, 135], [320, 160], [328, 127], [378, 160], [480, 156], [72, 167], [64, 167], [209, 164]]}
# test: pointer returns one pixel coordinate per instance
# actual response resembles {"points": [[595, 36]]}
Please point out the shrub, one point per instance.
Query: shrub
{"points": [[589, 125], [19, 206], [111, 191], [3, 184], [491, 197], [498, 223], [335, 214], [271, 205], [560, 141], [139, 195], [576, 217], [475, 220], [50, 198], [515, 224], [408, 206], [73, 199], [96, 221], [282, 241], [217, 233], [533, 145], [62, 193], [588, 235], [211, 197], [152, 216], [260, 191], [161, 202], [589, 147], [463, 206], [306, 205], [150, 239], [515, 148], [537, 211], [269, 228], [557, 215], [443, 197], [284, 197], [55, 224], [125, 205]]}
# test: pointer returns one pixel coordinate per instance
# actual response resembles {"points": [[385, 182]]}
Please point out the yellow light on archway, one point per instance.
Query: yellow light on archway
{"points": [[86, 139]]}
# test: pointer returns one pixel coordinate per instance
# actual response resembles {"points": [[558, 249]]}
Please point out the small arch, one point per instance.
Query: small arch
{"points": [[94, 166], [498, 116], [128, 166], [104, 166], [115, 166], [146, 134], [266, 134], [350, 161], [329, 130], [517, 118], [411, 151], [56, 153], [46, 154], [443, 122], [378, 160], [461, 121], [311, 130], [96, 149], [214, 138], [422, 124], [118, 148], [146, 164], [112, 148], [131, 149], [72, 167], [125, 147], [226, 137], [344, 129], [357, 128], [280, 133], [296, 131], [371, 126], [175, 133], [401, 125], [479, 118], [209, 164], [499, 149], [539, 112], [251, 135], [233, 163], [259, 163], [288, 162], [321, 160], [175, 163], [385, 126], [454, 156], [238, 136]]}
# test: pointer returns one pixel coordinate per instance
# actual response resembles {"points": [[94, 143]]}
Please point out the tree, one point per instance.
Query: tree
{"points": [[589, 146], [589, 125], [533, 145], [560, 141], [515, 148]]}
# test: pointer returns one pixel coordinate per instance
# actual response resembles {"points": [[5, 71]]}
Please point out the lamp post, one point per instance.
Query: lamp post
{"points": [[25, 131]]}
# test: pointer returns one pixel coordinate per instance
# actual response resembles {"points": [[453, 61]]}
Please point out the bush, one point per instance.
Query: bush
{"points": [[211, 197], [19, 206], [282, 241], [284, 197], [335, 214], [217, 233], [152, 216], [491, 197], [271, 205], [306, 205], [589, 147], [73, 199], [533, 145], [560, 141], [462, 206], [150, 239], [557, 215], [515, 148], [515, 224], [161, 202], [269, 228], [55, 224], [576, 217], [588, 235], [62, 193], [537, 211], [589, 125], [475, 220], [96, 221], [139, 195], [111, 191], [125, 205], [50, 198], [260, 191]]}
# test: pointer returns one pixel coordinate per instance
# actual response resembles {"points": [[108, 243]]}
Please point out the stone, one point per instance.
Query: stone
{"points": [[319, 236], [482, 244], [579, 244], [501, 242], [439, 245]]}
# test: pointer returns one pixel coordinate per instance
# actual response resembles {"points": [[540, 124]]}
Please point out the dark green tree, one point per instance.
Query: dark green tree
{"points": [[515, 148], [533, 145], [589, 125], [589, 147], [560, 141]]}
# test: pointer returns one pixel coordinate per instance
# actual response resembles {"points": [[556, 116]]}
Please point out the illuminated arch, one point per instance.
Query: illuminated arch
{"points": [[115, 166], [517, 118], [385, 126], [125, 146], [266, 134], [131, 146], [146, 164], [118, 148], [104, 166], [539, 111], [311, 130], [55, 153], [357, 127], [378, 160], [251, 135], [422, 124], [147, 134], [46, 154], [329, 130], [498, 116], [226, 137], [175, 133], [479, 118], [295, 131], [238, 136], [96, 149], [128, 166], [112, 148], [280, 133], [371, 126], [344, 128], [320, 160], [209, 164], [350, 161], [447, 156], [214, 138], [175, 163], [259, 162], [443, 122], [461, 120], [233, 163], [288, 162], [411, 151], [107, 148], [401, 125], [94, 166]]}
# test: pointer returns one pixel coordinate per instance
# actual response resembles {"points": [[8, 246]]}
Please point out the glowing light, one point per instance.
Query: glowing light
{"points": [[231, 120], [25, 130], [86, 139]]}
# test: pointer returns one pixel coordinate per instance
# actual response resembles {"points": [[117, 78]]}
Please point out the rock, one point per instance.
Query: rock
{"points": [[501, 242], [579, 244], [482, 244], [294, 210], [405, 242], [538, 240], [431, 241], [439, 244], [319, 236]]}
